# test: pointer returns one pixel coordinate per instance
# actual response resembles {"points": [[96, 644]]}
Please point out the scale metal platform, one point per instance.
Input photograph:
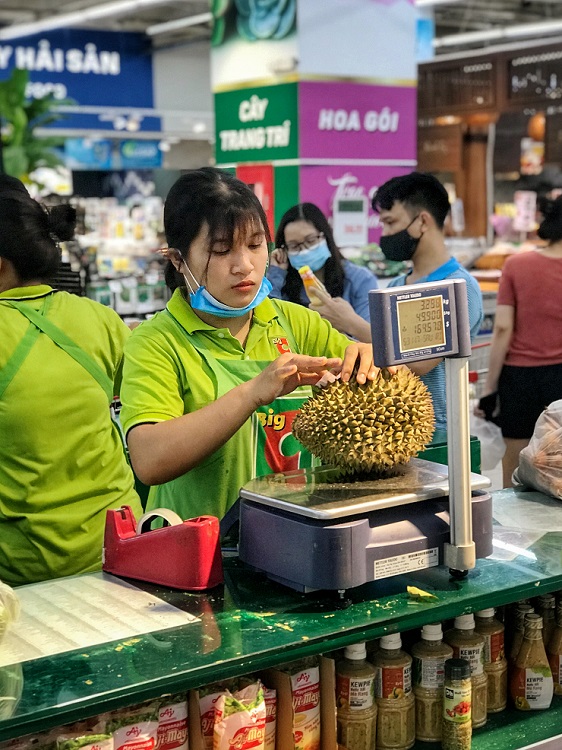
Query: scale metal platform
{"points": [[311, 529]]}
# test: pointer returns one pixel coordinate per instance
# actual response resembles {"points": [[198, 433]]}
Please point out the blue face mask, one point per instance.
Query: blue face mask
{"points": [[204, 301], [314, 257]]}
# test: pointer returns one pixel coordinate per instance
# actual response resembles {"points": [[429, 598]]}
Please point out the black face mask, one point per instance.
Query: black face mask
{"points": [[399, 246]]}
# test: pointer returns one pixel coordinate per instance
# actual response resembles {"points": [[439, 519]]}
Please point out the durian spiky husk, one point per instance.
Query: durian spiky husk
{"points": [[369, 428]]}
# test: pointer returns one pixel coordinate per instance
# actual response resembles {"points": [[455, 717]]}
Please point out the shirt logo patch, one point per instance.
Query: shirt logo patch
{"points": [[282, 344]]}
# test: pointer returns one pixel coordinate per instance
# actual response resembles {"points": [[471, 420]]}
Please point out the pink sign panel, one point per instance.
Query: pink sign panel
{"points": [[340, 120], [322, 185]]}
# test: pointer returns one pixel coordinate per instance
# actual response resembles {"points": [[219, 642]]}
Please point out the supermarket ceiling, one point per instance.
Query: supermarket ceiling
{"points": [[459, 24]]}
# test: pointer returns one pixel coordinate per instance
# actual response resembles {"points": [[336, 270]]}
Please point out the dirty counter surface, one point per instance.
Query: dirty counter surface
{"points": [[250, 623]]}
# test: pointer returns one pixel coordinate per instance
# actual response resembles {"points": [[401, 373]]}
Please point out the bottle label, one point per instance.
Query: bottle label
{"points": [[555, 661], [393, 682], [531, 687], [493, 647], [473, 654], [355, 693], [428, 673], [457, 706]]}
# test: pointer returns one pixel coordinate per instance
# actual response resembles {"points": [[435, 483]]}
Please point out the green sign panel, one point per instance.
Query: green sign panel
{"points": [[257, 124]]}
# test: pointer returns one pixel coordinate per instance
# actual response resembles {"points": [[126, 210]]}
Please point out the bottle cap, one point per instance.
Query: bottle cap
{"points": [[457, 669], [305, 271], [490, 612], [533, 621], [464, 622], [391, 641], [547, 601], [356, 651], [432, 632]]}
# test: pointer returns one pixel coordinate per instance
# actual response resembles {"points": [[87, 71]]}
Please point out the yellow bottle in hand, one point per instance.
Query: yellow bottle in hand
{"points": [[313, 287]]}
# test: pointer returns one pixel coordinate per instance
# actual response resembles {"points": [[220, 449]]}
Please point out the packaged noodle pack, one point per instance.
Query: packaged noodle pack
{"points": [[208, 698], [240, 720], [172, 724], [134, 728]]}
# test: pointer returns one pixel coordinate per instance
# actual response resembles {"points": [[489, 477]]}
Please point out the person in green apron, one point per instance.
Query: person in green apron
{"points": [[211, 384], [62, 463]]}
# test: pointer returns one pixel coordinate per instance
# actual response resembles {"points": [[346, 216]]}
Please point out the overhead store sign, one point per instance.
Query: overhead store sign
{"points": [[93, 68], [257, 124]]}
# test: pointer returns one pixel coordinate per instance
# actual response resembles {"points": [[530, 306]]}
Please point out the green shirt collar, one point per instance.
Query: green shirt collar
{"points": [[264, 313], [27, 292]]}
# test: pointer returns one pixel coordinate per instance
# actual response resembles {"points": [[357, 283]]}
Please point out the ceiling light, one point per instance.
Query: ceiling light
{"points": [[115, 8], [503, 32], [199, 127], [179, 23]]}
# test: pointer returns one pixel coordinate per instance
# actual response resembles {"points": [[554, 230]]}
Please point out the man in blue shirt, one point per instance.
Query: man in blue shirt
{"points": [[412, 211]]}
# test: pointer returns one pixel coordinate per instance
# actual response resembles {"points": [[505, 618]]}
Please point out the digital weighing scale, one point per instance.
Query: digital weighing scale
{"points": [[318, 529]]}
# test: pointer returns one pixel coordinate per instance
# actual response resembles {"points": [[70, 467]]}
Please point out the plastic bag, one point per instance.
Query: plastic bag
{"points": [[492, 446], [9, 607], [540, 463]]}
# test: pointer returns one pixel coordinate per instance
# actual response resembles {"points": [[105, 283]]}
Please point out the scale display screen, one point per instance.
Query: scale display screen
{"points": [[420, 321]]}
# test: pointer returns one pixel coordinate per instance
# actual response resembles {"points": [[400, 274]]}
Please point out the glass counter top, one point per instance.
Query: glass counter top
{"points": [[250, 623]]}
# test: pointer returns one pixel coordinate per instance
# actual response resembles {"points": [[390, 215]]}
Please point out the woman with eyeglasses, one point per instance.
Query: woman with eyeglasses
{"points": [[304, 238]]}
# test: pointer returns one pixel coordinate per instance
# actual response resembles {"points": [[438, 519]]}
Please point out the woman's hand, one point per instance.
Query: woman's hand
{"points": [[279, 258], [286, 373], [362, 355], [341, 315]]}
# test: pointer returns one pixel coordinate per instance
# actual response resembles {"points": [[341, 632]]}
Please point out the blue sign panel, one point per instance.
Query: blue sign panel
{"points": [[140, 154], [86, 153], [93, 68]]}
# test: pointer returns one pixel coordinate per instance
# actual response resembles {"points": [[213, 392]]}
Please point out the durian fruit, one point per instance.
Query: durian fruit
{"points": [[368, 429]]}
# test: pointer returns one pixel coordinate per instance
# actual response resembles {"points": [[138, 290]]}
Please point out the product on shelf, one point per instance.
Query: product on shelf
{"points": [[521, 611], [367, 428], [173, 723], [457, 706], [469, 645], [85, 741], [240, 719], [134, 728], [554, 651], [355, 699], [396, 723], [531, 685], [545, 607], [428, 674], [495, 663]]}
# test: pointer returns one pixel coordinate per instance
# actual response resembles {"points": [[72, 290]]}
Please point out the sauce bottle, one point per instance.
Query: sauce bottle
{"points": [[457, 709], [519, 628], [469, 645], [495, 663], [546, 608], [531, 685], [428, 673], [355, 693], [554, 651], [313, 287], [396, 723]]}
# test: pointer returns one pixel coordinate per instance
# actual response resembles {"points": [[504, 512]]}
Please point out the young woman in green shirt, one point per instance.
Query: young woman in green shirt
{"points": [[211, 384], [62, 463]]}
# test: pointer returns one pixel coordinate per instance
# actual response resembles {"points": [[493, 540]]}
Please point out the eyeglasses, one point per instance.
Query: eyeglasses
{"points": [[306, 244]]}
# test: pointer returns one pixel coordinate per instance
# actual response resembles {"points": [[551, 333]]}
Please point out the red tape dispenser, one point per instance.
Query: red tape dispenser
{"points": [[182, 554]]}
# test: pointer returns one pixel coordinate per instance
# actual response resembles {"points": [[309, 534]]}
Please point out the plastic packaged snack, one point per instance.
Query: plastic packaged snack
{"points": [[540, 463], [172, 724], [134, 728]]}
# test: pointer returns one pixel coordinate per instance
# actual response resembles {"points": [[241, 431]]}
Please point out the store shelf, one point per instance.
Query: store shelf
{"points": [[250, 623]]}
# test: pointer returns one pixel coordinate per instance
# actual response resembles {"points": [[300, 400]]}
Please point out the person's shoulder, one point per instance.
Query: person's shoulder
{"points": [[355, 272], [74, 305]]}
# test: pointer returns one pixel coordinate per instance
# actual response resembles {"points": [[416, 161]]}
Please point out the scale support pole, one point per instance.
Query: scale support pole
{"points": [[460, 554]]}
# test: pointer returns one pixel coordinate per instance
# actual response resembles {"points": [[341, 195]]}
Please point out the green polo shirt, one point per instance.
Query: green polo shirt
{"points": [[62, 463], [166, 375]]}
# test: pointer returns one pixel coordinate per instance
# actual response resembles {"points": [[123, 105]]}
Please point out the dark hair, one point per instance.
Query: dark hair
{"points": [[213, 197], [418, 191], [551, 226], [29, 232], [333, 270]]}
